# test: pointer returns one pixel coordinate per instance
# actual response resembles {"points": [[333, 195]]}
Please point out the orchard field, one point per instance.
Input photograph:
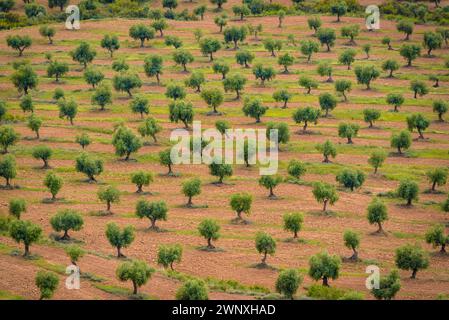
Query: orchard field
{"points": [[232, 270]]}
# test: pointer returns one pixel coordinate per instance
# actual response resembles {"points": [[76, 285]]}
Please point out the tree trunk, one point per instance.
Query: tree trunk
{"points": [[271, 193], [139, 189], [304, 128], [325, 282], [189, 202], [414, 274], [153, 223], [169, 169], [380, 229], [443, 248], [409, 202], [66, 235], [295, 235], [157, 78], [209, 244], [108, 205], [134, 287], [434, 185], [325, 205], [264, 259], [27, 250]]}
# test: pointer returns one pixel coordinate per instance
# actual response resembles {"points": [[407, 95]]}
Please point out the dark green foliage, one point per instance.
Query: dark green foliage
{"points": [[65, 220], [411, 257], [324, 266], [119, 238], [152, 210]]}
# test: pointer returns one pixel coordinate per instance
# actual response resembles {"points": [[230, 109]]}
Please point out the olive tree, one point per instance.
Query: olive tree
{"points": [[119, 238], [325, 193], [141, 32], [47, 283], [152, 210], [153, 66], [388, 286], [181, 111], [440, 107], [348, 131], [75, 253], [210, 230], [351, 179], [89, 165], [308, 83], [220, 170], [137, 271], [35, 124], [25, 78], [241, 203], [324, 266], [405, 27], [265, 244], [235, 82], [327, 37], [222, 68], [213, 97], [263, 73], [44, 153], [401, 141], [57, 69], [165, 160], [54, 184], [347, 57], [235, 34], [244, 57], [418, 122], [141, 178], [26, 232], [67, 109], [191, 188], [195, 81], [193, 289], [93, 76], [328, 150], [432, 41], [366, 75], [296, 169], [391, 66], [342, 86], [253, 107], [150, 127], [437, 176], [108, 195], [352, 241], [8, 137], [17, 207], [288, 282], [83, 54], [408, 190], [110, 43], [209, 46], [411, 257], [377, 159], [328, 102], [293, 222], [314, 23], [126, 82], [8, 169], [65, 220], [270, 182], [306, 115], [183, 57], [308, 48], [282, 95], [410, 52], [19, 43], [169, 254], [339, 9]]}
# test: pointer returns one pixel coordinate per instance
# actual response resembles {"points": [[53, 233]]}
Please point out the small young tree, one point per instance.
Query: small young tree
{"points": [[352, 241], [191, 188], [54, 184], [160, 25], [296, 169], [437, 177], [387, 41], [351, 32], [408, 190], [366, 75], [324, 266], [24, 78], [110, 43], [377, 159], [209, 46], [181, 111], [170, 4], [436, 237], [328, 102], [26, 103], [153, 211], [411, 257], [367, 49], [325, 193], [140, 105], [19, 43], [270, 182], [183, 57], [396, 100], [83, 54], [26, 232], [47, 283], [17, 207], [35, 124], [348, 131], [57, 69], [65, 220], [165, 160], [391, 66], [440, 107], [370, 116], [282, 96], [126, 82], [44, 153], [119, 238], [108, 195], [406, 27], [351, 179], [137, 271], [314, 23], [150, 127], [220, 170], [347, 57], [328, 149], [125, 142], [308, 48], [8, 137], [325, 70], [93, 76], [241, 203], [253, 108], [308, 83], [193, 289], [410, 52], [293, 222], [418, 122], [141, 178], [142, 33], [388, 286], [8, 169], [265, 245], [288, 282], [90, 166], [74, 253], [83, 140], [153, 66], [327, 37], [343, 86], [209, 229], [222, 68], [401, 140], [58, 94], [235, 82], [195, 81], [432, 41], [169, 254], [67, 109]]}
